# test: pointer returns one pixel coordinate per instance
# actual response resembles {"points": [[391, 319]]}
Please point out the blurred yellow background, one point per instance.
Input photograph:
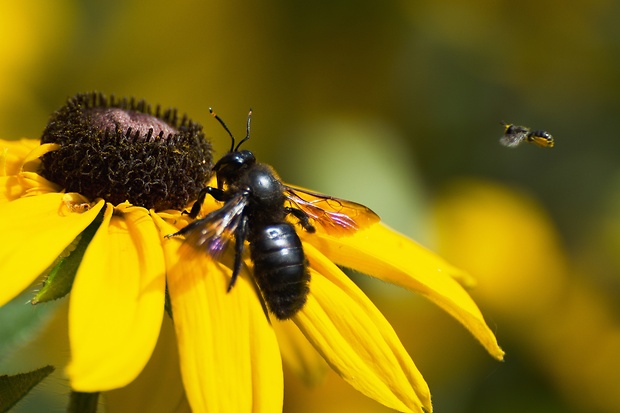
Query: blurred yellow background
{"points": [[396, 105]]}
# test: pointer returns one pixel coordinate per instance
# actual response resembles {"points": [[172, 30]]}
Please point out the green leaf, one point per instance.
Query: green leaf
{"points": [[14, 388], [59, 278], [20, 323]]}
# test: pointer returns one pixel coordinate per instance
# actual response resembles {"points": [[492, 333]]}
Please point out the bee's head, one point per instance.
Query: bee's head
{"points": [[235, 162], [511, 129], [232, 165]]}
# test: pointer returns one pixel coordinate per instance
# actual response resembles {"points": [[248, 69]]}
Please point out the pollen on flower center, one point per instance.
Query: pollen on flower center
{"points": [[119, 150]]}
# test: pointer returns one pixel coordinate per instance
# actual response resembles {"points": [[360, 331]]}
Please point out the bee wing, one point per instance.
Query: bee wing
{"points": [[513, 135], [511, 140], [213, 232], [334, 215]]}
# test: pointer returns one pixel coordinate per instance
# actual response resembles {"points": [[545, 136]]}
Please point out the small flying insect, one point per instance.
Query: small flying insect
{"points": [[514, 135], [256, 208]]}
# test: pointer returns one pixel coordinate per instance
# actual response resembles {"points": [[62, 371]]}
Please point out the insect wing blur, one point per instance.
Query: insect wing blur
{"points": [[213, 232], [513, 135]]}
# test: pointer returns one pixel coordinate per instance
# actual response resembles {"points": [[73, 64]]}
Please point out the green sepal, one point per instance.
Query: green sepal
{"points": [[60, 275], [14, 388]]}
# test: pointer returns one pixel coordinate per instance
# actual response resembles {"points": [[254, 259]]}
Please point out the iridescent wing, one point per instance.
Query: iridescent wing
{"points": [[334, 216], [213, 232]]}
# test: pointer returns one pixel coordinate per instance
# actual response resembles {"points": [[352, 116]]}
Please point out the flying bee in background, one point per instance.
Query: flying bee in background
{"points": [[514, 135], [256, 208]]}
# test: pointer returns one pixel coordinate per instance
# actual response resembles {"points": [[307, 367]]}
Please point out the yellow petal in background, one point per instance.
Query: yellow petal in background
{"points": [[13, 153], [299, 355], [39, 232], [356, 340], [18, 160], [385, 254], [509, 241], [35, 184], [230, 360], [11, 188], [117, 302], [158, 389], [32, 161]]}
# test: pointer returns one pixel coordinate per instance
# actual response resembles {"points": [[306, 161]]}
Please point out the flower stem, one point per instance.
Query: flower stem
{"points": [[83, 402]]}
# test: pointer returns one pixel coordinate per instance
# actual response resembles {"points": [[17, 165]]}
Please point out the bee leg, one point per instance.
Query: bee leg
{"points": [[241, 234], [216, 193], [304, 219]]}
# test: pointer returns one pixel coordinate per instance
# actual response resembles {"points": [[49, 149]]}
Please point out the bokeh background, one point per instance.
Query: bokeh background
{"points": [[396, 105]]}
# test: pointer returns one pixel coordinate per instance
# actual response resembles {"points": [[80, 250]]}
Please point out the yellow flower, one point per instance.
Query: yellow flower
{"points": [[567, 317], [229, 351]]}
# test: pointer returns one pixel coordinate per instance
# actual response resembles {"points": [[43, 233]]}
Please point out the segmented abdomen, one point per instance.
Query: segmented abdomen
{"points": [[280, 268]]}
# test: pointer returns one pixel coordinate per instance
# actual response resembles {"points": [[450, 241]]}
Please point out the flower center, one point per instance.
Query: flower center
{"points": [[120, 151], [110, 118]]}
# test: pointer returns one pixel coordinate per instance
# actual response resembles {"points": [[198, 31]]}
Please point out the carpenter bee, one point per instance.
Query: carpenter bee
{"points": [[514, 135], [257, 208]]}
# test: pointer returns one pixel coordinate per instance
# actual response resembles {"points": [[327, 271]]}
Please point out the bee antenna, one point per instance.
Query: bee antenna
{"points": [[232, 145], [247, 131]]}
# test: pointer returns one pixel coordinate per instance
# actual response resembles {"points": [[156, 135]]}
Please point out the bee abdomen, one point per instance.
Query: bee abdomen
{"points": [[280, 268]]}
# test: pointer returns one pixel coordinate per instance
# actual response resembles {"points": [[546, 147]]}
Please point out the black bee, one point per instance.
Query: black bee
{"points": [[257, 206], [514, 135]]}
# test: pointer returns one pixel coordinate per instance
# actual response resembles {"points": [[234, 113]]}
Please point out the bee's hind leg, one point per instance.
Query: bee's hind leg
{"points": [[304, 219]]}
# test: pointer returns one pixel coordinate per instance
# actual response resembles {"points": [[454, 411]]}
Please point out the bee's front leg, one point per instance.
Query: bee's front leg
{"points": [[241, 233], [216, 193]]}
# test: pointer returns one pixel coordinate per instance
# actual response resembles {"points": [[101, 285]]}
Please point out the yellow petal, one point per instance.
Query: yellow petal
{"points": [[13, 153], [298, 354], [158, 389], [392, 257], [35, 184], [18, 162], [38, 231], [11, 188], [25, 184], [357, 341], [117, 302], [229, 354]]}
